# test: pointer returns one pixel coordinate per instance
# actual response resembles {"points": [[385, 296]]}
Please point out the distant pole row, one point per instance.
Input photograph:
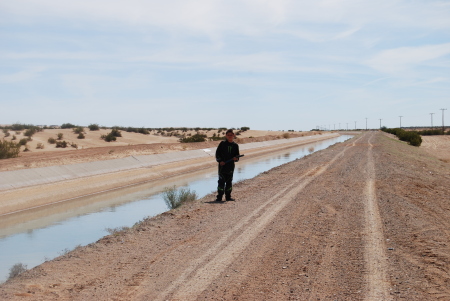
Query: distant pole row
{"points": [[319, 127]]}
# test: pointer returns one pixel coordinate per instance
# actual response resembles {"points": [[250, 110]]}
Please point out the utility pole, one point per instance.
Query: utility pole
{"points": [[400, 121], [443, 128], [380, 123], [431, 119], [366, 123]]}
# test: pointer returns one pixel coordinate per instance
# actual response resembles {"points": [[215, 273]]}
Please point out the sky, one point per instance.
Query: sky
{"points": [[268, 65]]}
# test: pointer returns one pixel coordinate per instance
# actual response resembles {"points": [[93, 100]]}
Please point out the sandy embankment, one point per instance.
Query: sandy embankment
{"points": [[36, 196]]}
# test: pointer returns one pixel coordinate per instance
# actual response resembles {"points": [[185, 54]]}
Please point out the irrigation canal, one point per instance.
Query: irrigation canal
{"points": [[34, 236]]}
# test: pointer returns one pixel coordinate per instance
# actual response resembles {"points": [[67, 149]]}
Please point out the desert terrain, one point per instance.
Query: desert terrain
{"points": [[367, 219], [35, 196], [92, 148]]}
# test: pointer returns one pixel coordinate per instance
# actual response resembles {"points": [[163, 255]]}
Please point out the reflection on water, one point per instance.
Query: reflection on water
{"points": [[32, 236]]}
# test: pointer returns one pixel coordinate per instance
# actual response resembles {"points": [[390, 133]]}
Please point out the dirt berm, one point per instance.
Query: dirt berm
{"points": [[368, 219]]}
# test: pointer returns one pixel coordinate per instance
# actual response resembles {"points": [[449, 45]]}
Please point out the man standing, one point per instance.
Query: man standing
{"points": [[226, 154]]}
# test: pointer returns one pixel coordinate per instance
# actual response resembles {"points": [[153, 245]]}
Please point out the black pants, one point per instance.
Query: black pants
{"points": [[225, 185]]}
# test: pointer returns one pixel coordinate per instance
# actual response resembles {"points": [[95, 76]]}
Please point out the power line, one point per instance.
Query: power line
{"points": [[443, 128]]}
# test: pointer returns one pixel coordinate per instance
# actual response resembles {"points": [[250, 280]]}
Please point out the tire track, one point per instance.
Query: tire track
{"points": [[376, 261], [198, 276]]}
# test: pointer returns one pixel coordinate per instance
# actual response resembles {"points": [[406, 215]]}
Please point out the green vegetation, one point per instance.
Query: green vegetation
{"points": [[93, 127], [67, 126], [51, 140], [60, 136], [78, 130], [194, 138], [175, 198], [61, 144], [430, 132], [23, 141], [245, 128], [31, 131], [141, 130], [81, 136], [117, 231], [111, 136], [16, 270], [9, 149], [412, 137], [6, 132]]}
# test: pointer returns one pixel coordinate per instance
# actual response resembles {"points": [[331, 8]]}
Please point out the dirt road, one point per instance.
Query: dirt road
{"points": [[364, 220]]}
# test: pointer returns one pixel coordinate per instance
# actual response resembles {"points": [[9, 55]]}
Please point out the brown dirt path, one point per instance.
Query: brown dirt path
{"points": [[362, 220]]}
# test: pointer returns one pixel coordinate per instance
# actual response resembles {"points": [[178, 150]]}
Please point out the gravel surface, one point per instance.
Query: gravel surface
{"points": [[367, 219]]}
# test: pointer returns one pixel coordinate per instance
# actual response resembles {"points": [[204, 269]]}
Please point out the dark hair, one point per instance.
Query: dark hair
{"points": [[229, 131]]}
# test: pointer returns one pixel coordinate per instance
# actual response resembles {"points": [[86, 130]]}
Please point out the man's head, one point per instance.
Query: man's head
{"points": [[229, 135]]}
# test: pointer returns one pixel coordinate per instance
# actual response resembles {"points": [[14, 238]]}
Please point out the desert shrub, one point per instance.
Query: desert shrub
{"points": [[17, 127], [60, 136], [412, 137], [40, 146], [117, 231], [61, 144], [108, 138], [51, 140], [431, 132], [78, 130], [6, 132], [286, 135], [67, 126], [143, 131], [116, 133], [93, 127], [16, 270], [14, 137], [245, 128], [81, 136], [23, 141], [415, 140], [175, 198], [30, 132], [9, 149], [26, 149], [193, 138], [215, 138], [74, 145]]}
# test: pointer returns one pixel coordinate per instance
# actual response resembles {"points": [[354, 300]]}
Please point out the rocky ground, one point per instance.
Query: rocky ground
{"points": [[368, 219]]}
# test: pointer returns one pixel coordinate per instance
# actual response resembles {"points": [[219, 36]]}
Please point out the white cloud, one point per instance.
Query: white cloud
{"points": [[23, 75], [405, 59], [248, 17]]}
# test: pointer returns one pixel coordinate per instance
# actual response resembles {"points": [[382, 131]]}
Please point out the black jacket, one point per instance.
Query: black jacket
{"points": [[226, 151]]}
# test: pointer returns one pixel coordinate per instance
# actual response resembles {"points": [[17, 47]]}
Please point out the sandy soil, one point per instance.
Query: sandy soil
{"points": [[438, 146], [368, 219], [92, 148]]}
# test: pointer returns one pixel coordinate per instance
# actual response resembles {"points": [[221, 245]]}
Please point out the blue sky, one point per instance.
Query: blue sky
{"points": [[269, 65]]}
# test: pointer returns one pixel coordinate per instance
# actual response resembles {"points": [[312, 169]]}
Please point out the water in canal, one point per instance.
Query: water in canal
{"points": [[34, 236]]}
